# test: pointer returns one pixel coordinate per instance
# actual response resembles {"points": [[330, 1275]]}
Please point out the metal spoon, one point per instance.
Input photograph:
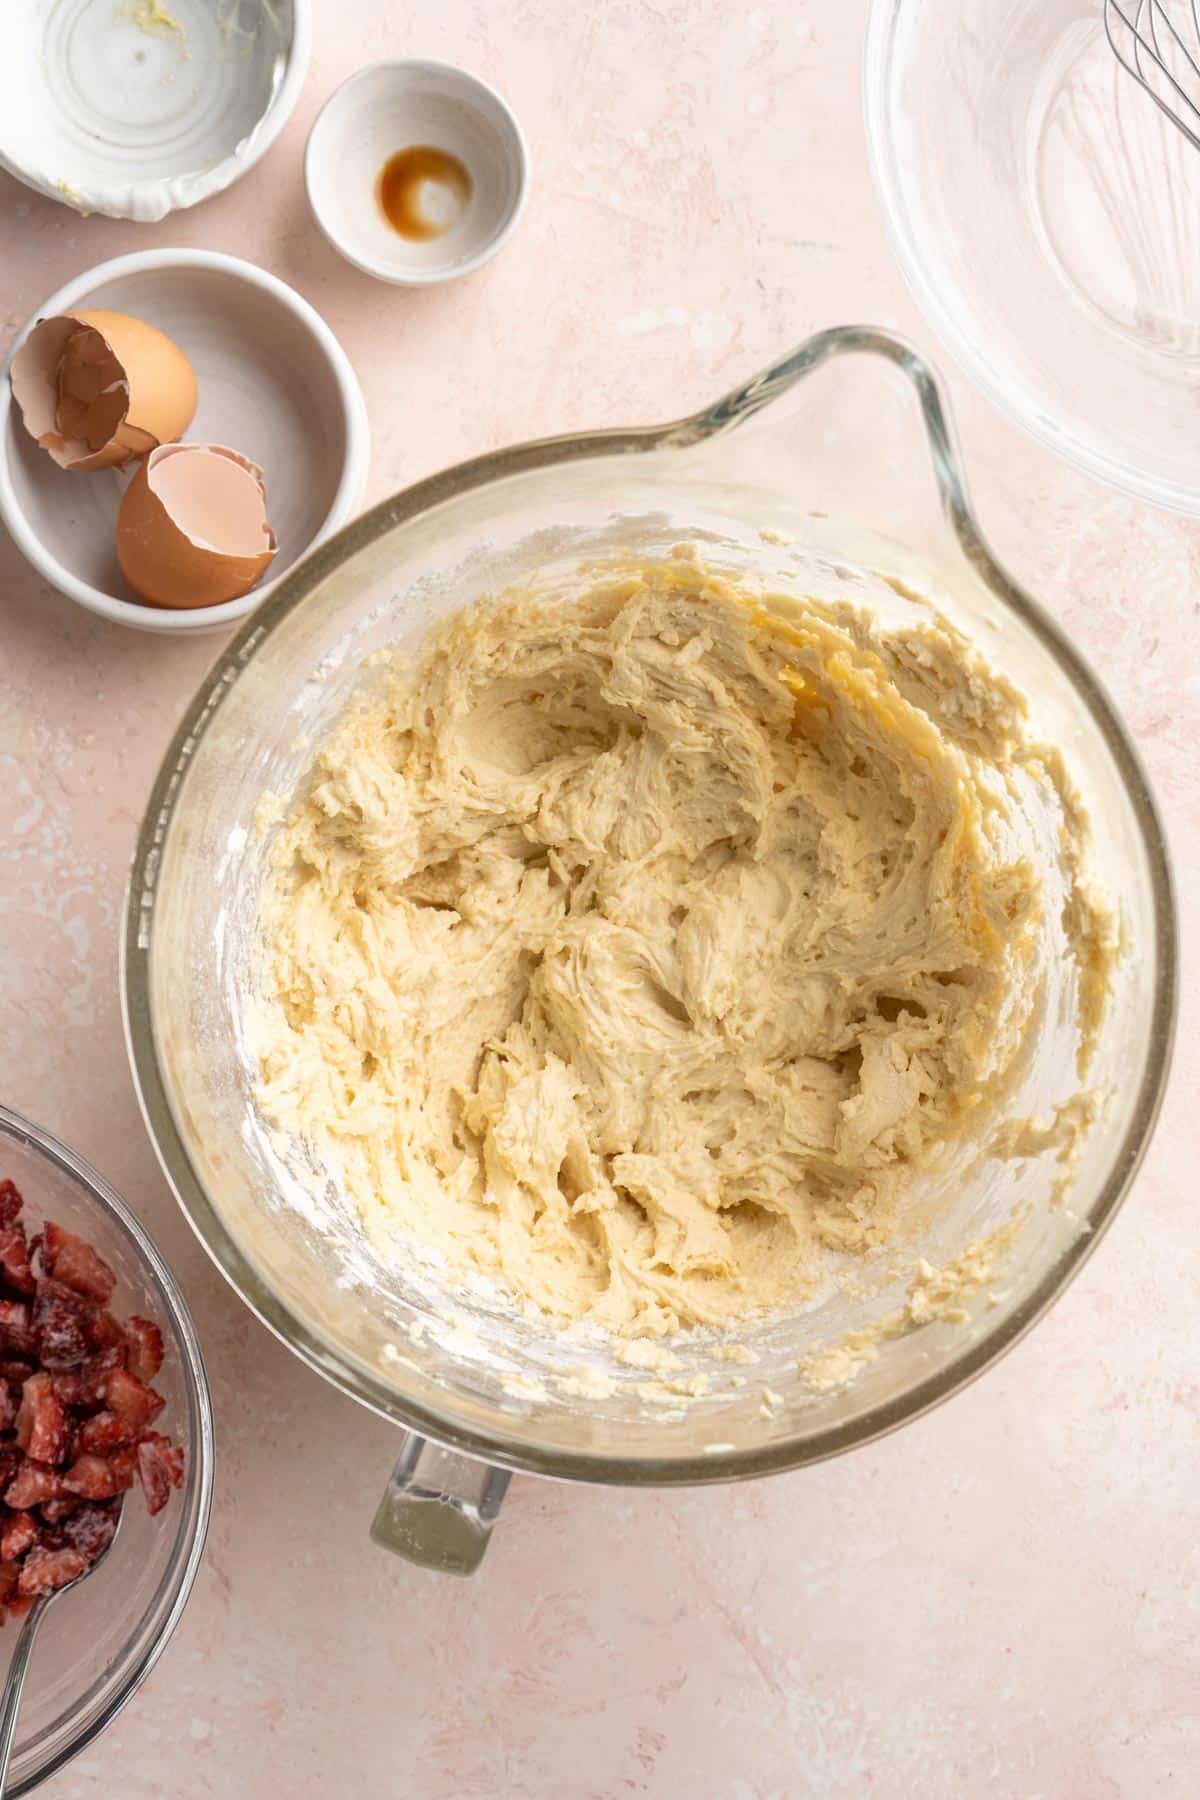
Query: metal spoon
{"points": [[10, 1700]]}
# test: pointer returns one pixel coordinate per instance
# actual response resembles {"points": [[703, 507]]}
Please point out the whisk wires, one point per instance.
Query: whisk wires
{"points": [[1149, 43]]}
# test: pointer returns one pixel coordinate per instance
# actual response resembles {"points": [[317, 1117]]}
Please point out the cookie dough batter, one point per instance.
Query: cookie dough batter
{"points": [[639, 952]]}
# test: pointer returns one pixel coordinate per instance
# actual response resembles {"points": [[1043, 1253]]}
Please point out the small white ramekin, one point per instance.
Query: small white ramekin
{"points": [[274, 384], [392, 106]]}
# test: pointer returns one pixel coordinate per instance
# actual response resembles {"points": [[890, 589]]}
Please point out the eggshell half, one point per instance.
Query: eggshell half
{"points": [[192, 529], [122, 376]]}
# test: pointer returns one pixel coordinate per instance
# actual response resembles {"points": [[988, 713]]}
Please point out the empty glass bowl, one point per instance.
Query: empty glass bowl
{"points": [[98, 1643], [1047, 218]]}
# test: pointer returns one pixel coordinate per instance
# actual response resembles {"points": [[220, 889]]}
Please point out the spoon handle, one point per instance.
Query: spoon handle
{"points": [[10, 1700]]}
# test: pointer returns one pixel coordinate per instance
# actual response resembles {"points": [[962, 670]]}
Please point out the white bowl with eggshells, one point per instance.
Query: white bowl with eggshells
{"points": [[274, 385], [391, 107], [137, 107]]}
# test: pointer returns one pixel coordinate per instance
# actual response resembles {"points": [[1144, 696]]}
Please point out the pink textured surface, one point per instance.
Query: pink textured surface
{"points": [[1005, 1598]]}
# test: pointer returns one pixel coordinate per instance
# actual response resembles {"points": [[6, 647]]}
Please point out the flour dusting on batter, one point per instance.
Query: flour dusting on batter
{"points": [[642, 952]]}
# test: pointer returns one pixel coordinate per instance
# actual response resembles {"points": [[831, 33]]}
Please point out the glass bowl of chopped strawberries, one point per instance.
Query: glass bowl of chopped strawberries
{"points": [[104, 1418]]}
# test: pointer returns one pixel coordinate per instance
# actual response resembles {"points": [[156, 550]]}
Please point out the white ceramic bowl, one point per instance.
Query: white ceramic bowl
{"points": [[274, 384], [394, 106], [136, 107]]}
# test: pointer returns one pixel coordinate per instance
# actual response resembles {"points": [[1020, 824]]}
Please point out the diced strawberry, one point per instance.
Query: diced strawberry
{"points": [[123, 1464], [19, 1531], [11, 1458], [16, 1270], [10, 1201], [16, 1328], [8, 1407], [32, 1484], [156, 1484], [41, 1422], [101, 1478], [172, 1454], [59, 1326], [76, 1264], [83, 1388], [19, 1605], [103, 1332], [55, 1511], [160, 1466], [16, 1371], [44, 1570], [91, 1478], [145, 1343], [90, 1530], [105, 1432], [8, 1581], [23, 1428], [76, 1389], [132, 1399]]}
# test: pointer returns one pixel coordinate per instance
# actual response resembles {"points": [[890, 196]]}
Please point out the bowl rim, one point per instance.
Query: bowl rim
{"points": [[454, 80], [355, 464], [231, 168], [1013, 398], [203, 1450], [340, 1367]]}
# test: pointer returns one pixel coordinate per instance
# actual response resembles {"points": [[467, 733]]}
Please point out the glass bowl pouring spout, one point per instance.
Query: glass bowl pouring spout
{"points": [[838, 497]]}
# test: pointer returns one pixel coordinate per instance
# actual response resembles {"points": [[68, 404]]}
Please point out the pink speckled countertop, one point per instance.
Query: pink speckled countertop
{"points": [[1002, 1600]]}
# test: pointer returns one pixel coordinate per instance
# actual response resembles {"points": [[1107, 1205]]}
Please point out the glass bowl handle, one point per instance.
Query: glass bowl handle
{"points": [[439, 1507], [770, 384]]}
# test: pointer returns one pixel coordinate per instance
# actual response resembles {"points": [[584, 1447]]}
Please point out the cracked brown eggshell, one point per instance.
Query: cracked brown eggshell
{"points": [[129, 388], [192, 529]]}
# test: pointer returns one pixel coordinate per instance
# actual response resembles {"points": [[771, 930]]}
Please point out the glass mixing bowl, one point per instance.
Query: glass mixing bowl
{"points": [[1047, 218], [98, 1643], [850, 488]]}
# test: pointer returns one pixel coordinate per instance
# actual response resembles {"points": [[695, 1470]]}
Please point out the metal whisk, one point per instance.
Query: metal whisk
{"points": [[1150, 39]]}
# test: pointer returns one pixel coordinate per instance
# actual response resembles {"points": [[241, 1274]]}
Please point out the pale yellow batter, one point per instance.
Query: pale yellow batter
{"points": [[640, 952]]}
